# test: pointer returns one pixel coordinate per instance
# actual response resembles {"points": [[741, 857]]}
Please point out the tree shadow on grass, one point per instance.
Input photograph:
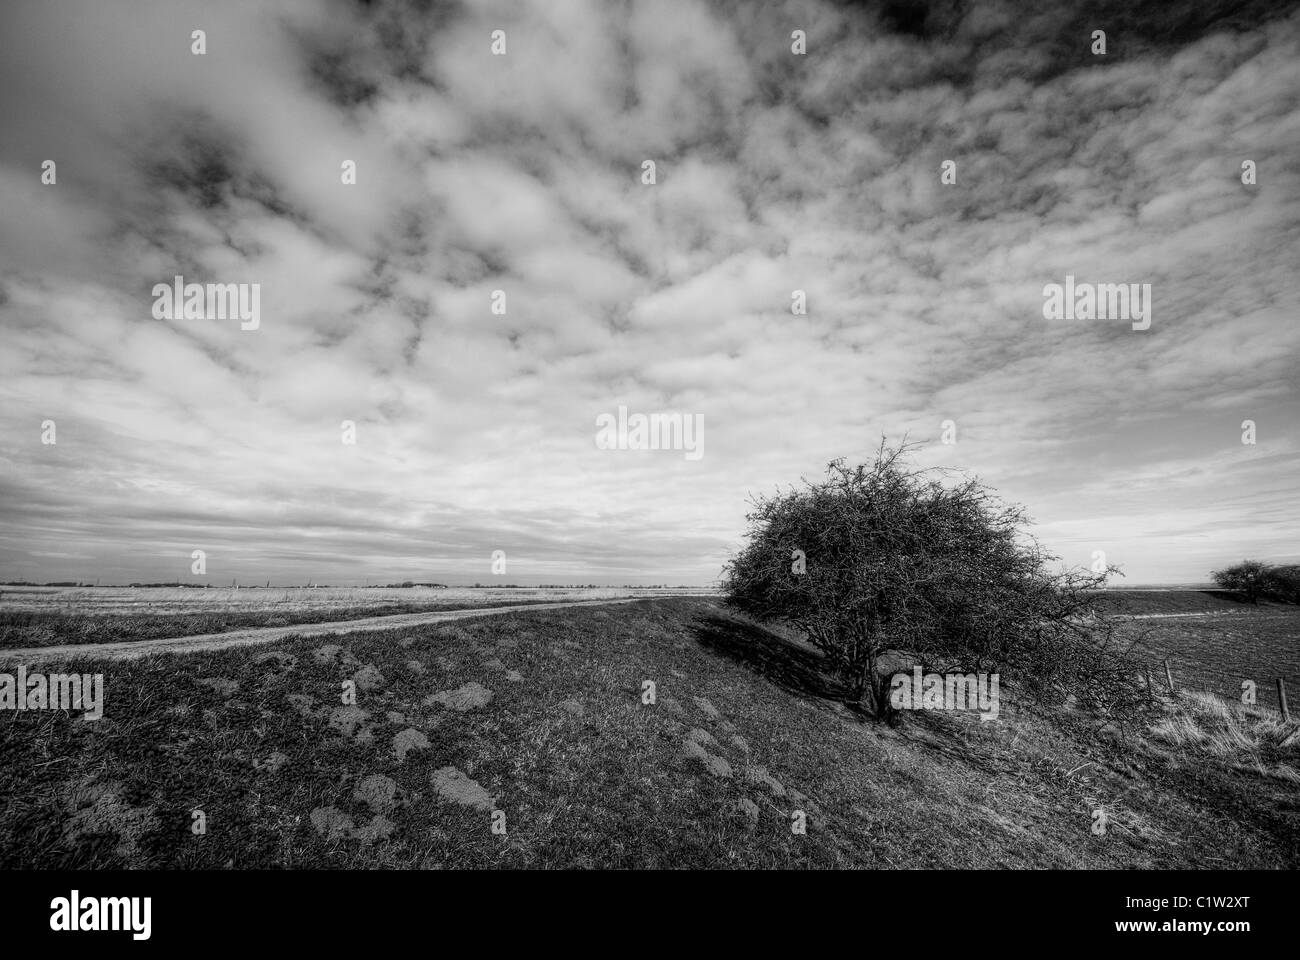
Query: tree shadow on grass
{"points": [[794, 669]]}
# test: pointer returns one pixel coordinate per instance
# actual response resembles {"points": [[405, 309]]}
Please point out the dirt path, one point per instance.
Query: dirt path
{"points": [[131, 649], [1166, 616]]}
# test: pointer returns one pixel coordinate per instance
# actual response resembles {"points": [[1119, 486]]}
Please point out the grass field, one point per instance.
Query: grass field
{"points": [[535, 720], [1216, 652], [1152, 602], [59, 616]]}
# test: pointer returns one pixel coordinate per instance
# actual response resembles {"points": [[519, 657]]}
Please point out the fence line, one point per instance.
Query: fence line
{"points": [[1269, 690]]}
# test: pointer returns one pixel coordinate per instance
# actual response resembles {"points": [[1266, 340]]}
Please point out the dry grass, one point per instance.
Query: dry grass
{"points": [[1251, 737]]}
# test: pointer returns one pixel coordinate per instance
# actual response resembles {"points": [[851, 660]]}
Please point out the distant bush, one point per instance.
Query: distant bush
{"points": [[1257, 581], [879, 557]]}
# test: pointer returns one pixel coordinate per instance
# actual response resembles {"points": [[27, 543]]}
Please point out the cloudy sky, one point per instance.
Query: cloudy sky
{"points": [[775, 172]]}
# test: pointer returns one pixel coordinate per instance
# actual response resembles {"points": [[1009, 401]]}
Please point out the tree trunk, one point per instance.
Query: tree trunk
{"points": [[871, 691]]}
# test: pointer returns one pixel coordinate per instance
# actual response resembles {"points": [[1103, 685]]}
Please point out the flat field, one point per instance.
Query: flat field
{"points": [[58, 616]]}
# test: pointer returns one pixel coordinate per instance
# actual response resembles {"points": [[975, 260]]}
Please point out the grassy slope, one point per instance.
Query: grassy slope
{"points": [[588, 776]]}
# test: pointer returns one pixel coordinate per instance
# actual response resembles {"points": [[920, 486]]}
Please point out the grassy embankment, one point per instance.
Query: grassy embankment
{"points": [[539, 715]]}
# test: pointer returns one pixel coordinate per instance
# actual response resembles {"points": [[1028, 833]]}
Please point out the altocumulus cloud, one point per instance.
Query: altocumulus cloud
{"points": [[522, 173]]}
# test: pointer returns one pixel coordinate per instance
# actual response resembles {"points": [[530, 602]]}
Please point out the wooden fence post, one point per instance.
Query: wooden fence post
{"points": [[1169, 676], [1281, 699]]}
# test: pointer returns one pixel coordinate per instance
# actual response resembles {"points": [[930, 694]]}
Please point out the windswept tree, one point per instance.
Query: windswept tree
{"points": [[879, 556], [1250, 578], [1261, 581]]}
